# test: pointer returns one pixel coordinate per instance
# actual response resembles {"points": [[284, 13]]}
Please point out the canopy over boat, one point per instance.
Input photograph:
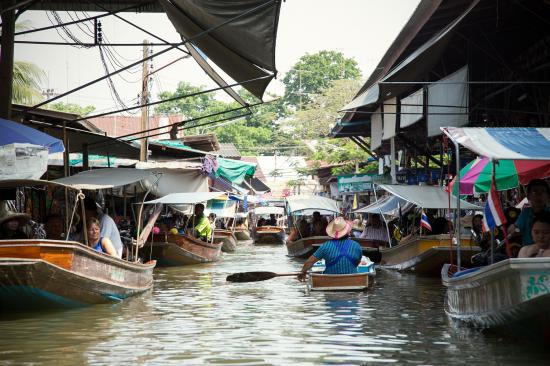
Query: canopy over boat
{"points": [[105, 178], [310, 202], [386, 205], [13, 132], [13, 183], [268, 210], [427, 196], [510, 143], [188, 198]]}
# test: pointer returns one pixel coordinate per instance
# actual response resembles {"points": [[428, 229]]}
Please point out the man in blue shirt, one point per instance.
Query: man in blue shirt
{"points": [[538, 195], [341, 254]]}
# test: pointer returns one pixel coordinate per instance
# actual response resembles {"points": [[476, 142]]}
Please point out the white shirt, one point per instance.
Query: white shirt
{"points": [[110, 230]]}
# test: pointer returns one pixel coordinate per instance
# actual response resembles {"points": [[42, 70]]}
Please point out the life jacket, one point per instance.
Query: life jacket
{"points": [[342, 253]]}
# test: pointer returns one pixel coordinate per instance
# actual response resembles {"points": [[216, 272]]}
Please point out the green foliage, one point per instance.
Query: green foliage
{"points": [[313, 73], [318, 117], [72, 108], [26, 83], [190, 107], [342, 151]]}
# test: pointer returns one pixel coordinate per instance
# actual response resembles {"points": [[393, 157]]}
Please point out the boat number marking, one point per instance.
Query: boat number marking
{"points": [[535, 285]]}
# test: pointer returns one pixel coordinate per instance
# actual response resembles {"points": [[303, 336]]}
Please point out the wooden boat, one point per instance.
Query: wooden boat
{"points": [[242, 234], [269, 235], [227, 238], [55, 273], [180, 250], [511, 294], [340, 282], [305, 247], [425, 254]]}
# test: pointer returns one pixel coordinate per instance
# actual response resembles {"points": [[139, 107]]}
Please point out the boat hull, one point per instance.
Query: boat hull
{"points": [[340, 282], [227, 238], [59, 274], [242, 235], [511, 294], [181, 250], [269, 235], [425, 255]]}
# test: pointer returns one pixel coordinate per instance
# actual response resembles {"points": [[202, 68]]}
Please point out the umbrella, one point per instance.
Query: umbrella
{"points": [[476, 176], [13, 132]]}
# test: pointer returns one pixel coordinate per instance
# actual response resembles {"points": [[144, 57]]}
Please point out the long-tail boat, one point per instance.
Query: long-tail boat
{"points": [[227, 238], [512, 294], [182, 249], [268, 234], [37, 273], [425, 254]]}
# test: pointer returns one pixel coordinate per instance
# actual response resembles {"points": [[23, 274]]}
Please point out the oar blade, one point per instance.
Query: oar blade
{"points": [[251, 276]]}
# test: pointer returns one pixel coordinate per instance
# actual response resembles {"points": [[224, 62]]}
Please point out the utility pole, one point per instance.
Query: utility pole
{"points": [[144, 99]]}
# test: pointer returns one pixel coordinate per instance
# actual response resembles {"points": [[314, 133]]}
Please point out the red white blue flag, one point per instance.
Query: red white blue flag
{"points": [[493, 213], [424, 221]]}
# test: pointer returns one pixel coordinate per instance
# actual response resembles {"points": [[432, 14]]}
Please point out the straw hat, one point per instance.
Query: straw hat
{"points": [[338, 228]]}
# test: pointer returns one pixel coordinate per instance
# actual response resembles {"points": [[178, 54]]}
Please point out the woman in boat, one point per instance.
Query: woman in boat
{"points": [[341, 254], [300, 231], [11, 225], [101, 244], [541, 237], [538, 194]]}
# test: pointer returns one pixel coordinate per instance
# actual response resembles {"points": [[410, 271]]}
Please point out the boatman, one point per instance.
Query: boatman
{"points": [[341, 254], [200, 223]]}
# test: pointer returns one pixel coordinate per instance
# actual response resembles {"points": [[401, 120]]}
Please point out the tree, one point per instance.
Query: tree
{"points": [[26, 83], [345, 152], [72, 108], [26, 77], [313, 73], [318, 117], [190, 107]]}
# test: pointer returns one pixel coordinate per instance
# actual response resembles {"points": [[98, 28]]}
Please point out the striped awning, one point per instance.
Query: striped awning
{"points": [[511, 143]]}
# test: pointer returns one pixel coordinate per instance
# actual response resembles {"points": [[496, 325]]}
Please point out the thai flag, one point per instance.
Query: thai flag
{"points": [[493, 214], [424, 221]]}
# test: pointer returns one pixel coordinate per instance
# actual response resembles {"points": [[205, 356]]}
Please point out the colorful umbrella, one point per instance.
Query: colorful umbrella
{"points": [[476, 176]]}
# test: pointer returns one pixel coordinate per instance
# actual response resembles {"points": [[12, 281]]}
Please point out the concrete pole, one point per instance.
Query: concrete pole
{"points": [[144, 98]]}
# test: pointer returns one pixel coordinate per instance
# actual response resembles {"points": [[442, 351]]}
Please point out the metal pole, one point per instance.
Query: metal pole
{"points": [[6, 62], [392, 161], [457, 214]]}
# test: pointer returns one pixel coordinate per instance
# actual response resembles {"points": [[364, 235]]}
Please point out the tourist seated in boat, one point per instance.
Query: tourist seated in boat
{"points": [[538, 194], [261, 222], [375, 229], [107, 224], [96, 241], [272, 221], [53, 225], [540, 232], [300, 231], [341, 254], [12, 225], [200, 224], [318, 225]]}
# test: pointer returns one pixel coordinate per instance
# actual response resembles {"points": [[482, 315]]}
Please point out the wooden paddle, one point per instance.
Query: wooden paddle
{"points": [[256, 276]]}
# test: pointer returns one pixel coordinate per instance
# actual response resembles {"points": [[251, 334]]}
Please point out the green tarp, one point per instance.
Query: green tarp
{"points": [[234, 170]]}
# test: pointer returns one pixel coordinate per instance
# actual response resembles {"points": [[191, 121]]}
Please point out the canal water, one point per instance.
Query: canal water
{"points": [[193, 317]]}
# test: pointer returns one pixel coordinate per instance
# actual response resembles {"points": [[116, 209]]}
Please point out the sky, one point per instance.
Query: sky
{"points": [[360, 29]]}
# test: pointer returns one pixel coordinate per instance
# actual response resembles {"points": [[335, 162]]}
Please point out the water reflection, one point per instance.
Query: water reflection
{"points": [[192, 316]]}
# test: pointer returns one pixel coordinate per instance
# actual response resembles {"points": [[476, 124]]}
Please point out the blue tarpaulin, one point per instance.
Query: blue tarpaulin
{"points": [[13, 132]]}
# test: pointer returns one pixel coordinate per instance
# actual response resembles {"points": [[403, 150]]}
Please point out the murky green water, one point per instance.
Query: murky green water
{"points": [[194, 317]]}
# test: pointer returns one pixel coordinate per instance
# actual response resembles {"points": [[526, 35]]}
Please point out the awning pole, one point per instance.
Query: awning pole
{"points": [[457, 214]]}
